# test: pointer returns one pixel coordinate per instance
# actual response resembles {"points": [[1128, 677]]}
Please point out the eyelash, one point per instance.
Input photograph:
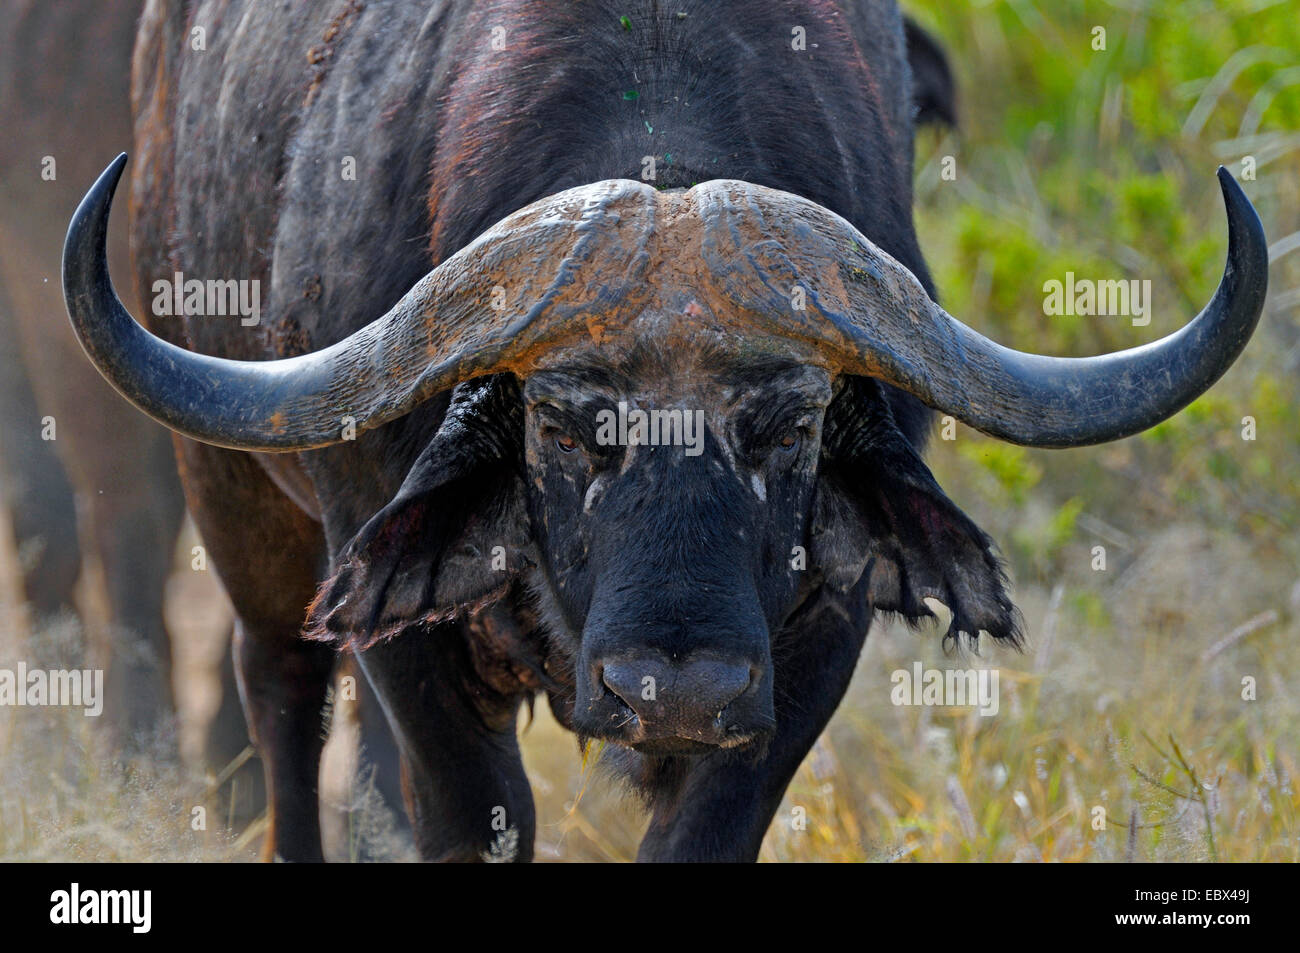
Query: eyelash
{"points": [[802, 427], [554, 433]]}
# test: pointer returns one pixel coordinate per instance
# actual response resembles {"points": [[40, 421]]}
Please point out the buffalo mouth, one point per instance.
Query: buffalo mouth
{"points": [[656, 744], [674, 747], [666, 739], [662, 743]]}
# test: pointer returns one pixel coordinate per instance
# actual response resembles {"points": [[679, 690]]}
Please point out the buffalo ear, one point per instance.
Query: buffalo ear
{"points": [[455, 535], [934, 93], [880, 511]]}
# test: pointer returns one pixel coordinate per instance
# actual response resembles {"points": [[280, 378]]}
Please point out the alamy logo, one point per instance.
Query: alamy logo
{"points": [[1085, 298], [651, 428], [944, 687], [55, 688], [74, 906], [179, 297]]}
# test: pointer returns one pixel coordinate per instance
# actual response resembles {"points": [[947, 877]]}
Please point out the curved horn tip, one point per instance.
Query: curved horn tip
{"points": [[1252, 253], [1236, 200], [91, 215], [109, 178], [1232, 193]]}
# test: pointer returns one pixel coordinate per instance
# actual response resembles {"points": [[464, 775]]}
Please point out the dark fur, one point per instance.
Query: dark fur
{"points": [[451, 135]]}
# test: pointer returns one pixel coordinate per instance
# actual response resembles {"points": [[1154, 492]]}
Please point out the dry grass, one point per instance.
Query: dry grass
{"points": [[1140, 714], [1088, 720]]}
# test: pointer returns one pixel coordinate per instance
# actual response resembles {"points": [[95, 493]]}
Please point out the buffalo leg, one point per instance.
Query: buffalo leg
{"points": [[135, 516], [267, 553], [36, 488], [380, 751], [719, 807], [284, 689], [466, 792], [227, 737]]}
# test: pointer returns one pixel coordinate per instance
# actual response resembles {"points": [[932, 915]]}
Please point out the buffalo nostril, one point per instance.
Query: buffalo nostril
{"points": [[625, 682], [712, 686]]}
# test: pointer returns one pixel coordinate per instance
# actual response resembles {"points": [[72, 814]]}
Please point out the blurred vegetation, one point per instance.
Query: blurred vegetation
{"points": [[1101, 162]]}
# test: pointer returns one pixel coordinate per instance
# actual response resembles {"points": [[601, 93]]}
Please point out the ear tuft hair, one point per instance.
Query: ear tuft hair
{"points": [[934, 92], [912, 540], [450, 542]]}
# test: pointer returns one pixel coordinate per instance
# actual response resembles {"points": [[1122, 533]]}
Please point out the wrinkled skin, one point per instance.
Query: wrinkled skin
{"points": [[712, 580], [483, 548]]}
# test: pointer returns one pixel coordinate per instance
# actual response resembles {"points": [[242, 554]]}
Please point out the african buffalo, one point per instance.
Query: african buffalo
{"points": [[570, 216]]}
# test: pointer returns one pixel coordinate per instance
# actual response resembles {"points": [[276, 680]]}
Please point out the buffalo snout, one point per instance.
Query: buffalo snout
{"points": [[663, 706]]}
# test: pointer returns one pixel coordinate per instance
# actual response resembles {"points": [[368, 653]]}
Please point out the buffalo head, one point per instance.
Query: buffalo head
{"points": [[672, 418]]}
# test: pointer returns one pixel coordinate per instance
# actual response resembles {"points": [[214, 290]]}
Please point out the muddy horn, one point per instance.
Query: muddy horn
{"points": [[560, 258], [575, 260], [871, 315]]}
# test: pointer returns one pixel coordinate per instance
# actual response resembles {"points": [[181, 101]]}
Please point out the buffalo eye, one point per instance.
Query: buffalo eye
{"points": [[791, 441], [566, 443]]}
